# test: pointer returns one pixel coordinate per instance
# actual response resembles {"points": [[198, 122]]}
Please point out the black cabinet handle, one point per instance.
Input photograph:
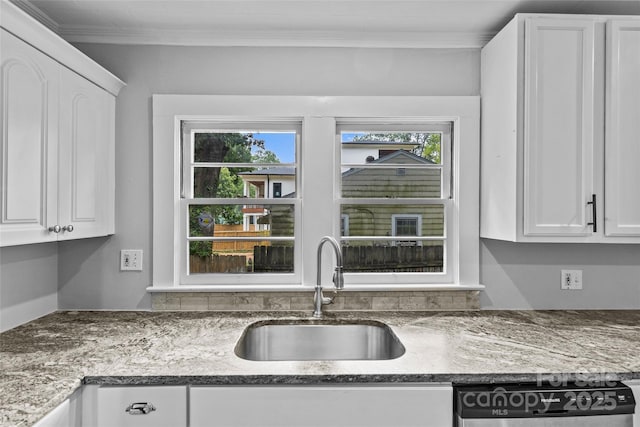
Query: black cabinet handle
{"points": [[593, 213]]}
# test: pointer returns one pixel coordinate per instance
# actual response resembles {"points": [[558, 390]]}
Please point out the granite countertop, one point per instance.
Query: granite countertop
{"points": [[44, 361]]}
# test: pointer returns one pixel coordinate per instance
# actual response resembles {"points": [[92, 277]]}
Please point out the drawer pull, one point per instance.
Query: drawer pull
{"points": [[140, 408]]}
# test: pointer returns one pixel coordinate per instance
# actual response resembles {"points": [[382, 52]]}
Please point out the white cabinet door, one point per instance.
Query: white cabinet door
{"points": [[85, 144], [622, 142], [558, 126], [299, 406], [29, 117], [131, 407]]}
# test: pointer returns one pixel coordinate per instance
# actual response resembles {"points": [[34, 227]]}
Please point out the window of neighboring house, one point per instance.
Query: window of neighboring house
{"points": [[232, 225], [393, 178], [406, 225], [277, 189], [399, 198]]}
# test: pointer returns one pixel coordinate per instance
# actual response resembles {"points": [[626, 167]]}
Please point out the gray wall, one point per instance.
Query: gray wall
{"points": [[516, 275], [527, 275], [28, 283]]}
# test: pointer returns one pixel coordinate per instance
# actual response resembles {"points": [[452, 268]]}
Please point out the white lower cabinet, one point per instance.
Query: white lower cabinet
{"points": [[135, 406], [331, 405]]}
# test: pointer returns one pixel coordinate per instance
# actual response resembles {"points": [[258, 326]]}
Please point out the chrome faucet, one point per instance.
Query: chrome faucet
{"points": [[338, 278]]}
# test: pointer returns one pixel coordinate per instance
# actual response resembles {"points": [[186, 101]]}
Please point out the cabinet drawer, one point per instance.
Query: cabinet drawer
{"points": [[125, 406]]}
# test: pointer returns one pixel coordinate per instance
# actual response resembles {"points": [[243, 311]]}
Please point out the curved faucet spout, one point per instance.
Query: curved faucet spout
{"points": [[338, 278]]}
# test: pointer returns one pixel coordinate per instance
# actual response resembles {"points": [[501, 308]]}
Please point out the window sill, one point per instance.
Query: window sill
{"points": [[310, 288]]}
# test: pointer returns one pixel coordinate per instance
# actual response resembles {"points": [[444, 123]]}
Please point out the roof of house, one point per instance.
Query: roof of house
{"points": [[276, 170], [389, 159]]}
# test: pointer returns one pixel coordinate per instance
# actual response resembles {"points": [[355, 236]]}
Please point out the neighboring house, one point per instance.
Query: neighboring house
{"points": [[358, 182], [266, 183], [392, 182], [354, 152]]}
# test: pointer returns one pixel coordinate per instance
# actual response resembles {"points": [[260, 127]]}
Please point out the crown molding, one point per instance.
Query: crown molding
{"points": [[28, 29], [37, 14], [275, 38]]}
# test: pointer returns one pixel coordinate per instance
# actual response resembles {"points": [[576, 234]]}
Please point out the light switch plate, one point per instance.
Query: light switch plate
{"points": [[571, 279], [131, 260]]}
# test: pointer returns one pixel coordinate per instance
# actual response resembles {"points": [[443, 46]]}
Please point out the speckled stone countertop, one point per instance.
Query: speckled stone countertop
{"points": [[44, 361]]}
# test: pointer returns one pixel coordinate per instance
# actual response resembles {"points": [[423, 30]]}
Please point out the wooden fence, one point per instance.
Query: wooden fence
{"points": [[274, 259], [218, 264], [393, 258], [356, 259], [359, 258]]}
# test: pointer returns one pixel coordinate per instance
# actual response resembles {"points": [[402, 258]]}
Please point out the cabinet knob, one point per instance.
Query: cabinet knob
{"points": [[68, 228], [55, 228], [140, 408]]}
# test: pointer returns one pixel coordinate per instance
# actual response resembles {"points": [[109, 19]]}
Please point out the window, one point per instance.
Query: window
{"points": [[277, 190], [406, 225], [233, 225], [381, 174], [396, 189]]}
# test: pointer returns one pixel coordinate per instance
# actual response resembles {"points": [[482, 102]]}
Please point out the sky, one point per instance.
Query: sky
{"points": [[283, 143]]}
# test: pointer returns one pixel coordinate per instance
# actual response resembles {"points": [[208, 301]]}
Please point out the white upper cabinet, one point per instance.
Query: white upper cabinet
{"points": [[622, 138], [549, 173], [57, 140], [29, 119], [85, 177]]}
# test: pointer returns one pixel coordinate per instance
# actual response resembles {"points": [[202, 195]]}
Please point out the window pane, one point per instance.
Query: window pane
{"points": [[248, 221], [362, 256], [393, 220], [394, 182], [244, 147], [391, 147], [235, 256]]}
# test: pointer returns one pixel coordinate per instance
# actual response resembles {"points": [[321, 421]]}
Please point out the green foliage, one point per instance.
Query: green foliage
{"points": [[265, 156]]}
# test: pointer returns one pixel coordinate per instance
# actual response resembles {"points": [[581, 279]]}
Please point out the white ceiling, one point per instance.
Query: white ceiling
{"points": [[357, 23]]}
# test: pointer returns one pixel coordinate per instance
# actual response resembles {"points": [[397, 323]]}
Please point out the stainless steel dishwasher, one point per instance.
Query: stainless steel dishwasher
{"points": [[534, 405]]}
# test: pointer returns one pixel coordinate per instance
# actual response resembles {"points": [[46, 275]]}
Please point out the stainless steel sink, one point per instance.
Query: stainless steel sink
{"points": [[318, 340]]}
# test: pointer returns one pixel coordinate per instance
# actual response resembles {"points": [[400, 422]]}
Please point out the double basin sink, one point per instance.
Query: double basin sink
{"points": [[292, 340]]}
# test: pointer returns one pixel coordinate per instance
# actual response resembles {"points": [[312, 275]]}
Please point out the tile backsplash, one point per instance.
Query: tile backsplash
{"points": [[302, 301]]}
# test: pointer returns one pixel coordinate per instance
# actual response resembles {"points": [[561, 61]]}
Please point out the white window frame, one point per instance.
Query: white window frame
{"points": [[318, 115]]}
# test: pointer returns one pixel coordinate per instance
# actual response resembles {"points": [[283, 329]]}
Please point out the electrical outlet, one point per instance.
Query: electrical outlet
{"points": [[131, 260], [571, 279]]}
